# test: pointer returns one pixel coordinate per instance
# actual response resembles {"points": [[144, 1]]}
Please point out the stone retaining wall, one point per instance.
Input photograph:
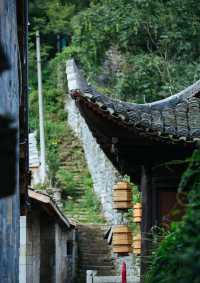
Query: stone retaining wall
{"points": [[103, 173]]}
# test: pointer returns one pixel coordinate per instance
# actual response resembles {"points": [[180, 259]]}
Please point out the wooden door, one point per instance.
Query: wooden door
{"points": [[169, 207]]}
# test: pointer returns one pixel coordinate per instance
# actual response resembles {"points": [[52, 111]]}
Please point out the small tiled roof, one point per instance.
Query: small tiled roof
{"points": [[50, 206], [174, 119]]}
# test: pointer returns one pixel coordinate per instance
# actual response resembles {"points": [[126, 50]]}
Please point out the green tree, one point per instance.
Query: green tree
{"points": [[158, 41]]}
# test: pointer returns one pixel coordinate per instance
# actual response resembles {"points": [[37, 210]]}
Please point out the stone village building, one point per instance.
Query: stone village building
{"points": [[47, 243], [149, 142], [48, 239]]}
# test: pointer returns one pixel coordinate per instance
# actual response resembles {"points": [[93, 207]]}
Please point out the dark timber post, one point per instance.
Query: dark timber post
{"points": [[146, 225]]}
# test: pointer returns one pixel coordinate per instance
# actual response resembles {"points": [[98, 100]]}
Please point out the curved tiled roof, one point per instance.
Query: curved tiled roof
{"points": [[176, 118]]}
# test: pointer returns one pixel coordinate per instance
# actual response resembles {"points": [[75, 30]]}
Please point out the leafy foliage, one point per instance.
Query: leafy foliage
{"points": [[67, 167], [177, 258], [158, 42], [53, 16]]}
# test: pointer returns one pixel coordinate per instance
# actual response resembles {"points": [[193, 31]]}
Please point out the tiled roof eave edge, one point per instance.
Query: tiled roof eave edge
{"points": [[145, 113], [76, 81], [46, 199]]}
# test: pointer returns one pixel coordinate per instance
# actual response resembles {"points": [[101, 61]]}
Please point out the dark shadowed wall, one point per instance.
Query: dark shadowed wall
{"points": [[9, 107]]}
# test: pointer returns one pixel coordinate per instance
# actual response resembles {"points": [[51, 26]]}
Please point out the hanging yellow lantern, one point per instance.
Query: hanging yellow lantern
{"points": [[122, 195], [137, 244], [137, 213], [122, 239]]}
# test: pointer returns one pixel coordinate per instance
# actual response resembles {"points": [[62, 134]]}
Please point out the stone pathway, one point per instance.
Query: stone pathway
{"points": [[94, 252]]}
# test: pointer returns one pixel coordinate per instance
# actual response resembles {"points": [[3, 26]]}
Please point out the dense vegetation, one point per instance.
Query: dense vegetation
{"points": [[67, 167], [157, 45], [177, 260], [133, 50]]}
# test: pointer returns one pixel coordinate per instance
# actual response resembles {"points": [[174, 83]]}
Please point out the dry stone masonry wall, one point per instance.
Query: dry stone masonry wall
{"points": [[103, 173]]}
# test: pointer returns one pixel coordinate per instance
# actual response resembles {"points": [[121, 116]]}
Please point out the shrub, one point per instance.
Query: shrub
{"points": [[177, 259]]}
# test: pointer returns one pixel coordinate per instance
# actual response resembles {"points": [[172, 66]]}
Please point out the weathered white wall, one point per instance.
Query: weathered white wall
{"points": [[103, 173], [46, 250], [34, 162], [33, 247], [64, 263], [22, 251]]}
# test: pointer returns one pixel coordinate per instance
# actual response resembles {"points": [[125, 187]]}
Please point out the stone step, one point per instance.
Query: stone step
{"points": [[99, 272], [114, 279], [93, 236], [90, 248], [94, 265], [94, 252], [93, 231], [101, 269], [99, 264], [93, 249], [91, 262], [94, 244], [99, 258], [92, 227], [90, 241], [84, 236], [96, 239], [97, 229], [91, 254]]}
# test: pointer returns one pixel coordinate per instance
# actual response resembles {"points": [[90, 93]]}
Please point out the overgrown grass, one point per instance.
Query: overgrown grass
{"points": [[67, 168]]}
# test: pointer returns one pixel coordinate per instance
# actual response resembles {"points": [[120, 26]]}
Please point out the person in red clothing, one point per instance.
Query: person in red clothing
{"points": [[123, 272]]}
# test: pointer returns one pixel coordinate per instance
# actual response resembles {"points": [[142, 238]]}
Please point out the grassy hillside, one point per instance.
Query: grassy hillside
{"points": [[67, 168]]}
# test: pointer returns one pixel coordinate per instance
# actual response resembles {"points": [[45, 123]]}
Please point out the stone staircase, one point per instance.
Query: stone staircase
{"points": [[93, 252]]}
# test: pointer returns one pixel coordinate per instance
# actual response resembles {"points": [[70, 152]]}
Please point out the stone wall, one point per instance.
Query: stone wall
{"points": [[65, 254], [22, 251], [103, 173], [47, 248], [33, 247], [48, 256]]}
